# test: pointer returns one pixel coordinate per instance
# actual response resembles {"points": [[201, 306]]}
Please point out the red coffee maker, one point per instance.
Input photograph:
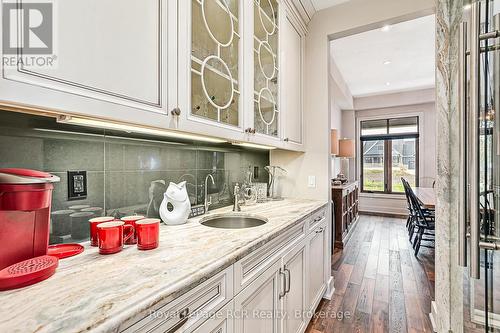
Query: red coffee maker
{"points": [[25, 199]]}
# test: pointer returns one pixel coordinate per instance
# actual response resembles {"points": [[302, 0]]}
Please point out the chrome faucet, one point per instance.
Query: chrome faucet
{"points": [[236, 205], [208, 201]]}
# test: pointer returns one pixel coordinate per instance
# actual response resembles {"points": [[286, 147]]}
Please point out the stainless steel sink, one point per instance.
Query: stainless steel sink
{"points": [[233, 221]]}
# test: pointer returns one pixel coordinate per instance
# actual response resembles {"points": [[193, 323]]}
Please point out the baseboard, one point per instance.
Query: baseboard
{"points": [[394, 215], [330, 289], [433, 315]]}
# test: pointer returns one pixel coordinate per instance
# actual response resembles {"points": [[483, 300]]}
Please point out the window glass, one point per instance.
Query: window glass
{"points": [[389, 152], [404, 163], [403, 125], [373, 166], [374, 127]]}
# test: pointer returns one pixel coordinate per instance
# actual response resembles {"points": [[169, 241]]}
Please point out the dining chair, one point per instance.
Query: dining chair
{"points": [[411, 213], [424, 224]]}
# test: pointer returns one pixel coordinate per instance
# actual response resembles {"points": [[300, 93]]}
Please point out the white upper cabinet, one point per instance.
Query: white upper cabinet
{"points": [[292, 36], [225, 68], [278, 52], [109, 59]]}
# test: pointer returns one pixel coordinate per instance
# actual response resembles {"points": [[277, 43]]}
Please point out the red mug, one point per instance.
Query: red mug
{"points": [[112, 235], [148, 233], [93, 227], [131, 221]]}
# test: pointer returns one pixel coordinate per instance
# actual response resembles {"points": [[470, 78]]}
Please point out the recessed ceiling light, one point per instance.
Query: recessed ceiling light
{"points": [[387, 83], [386, 28], [387, 62]]}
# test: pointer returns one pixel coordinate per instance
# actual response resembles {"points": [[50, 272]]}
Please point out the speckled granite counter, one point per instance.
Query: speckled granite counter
{"points": [[97, 293]]}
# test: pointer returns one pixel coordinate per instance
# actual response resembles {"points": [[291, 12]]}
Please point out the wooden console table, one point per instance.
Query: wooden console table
{"points": [[346, 211]]}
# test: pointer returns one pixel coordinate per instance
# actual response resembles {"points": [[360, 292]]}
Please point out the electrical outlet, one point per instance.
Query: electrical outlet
{"points": [[77, 185], [311, 181]]}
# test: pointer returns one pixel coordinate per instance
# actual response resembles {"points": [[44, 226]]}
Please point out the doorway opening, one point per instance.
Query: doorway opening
{"points": [[383, 166]]}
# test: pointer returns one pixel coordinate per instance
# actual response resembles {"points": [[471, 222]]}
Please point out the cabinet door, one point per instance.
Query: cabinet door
{"points": [[292, 41], [295, 298], [210, 67], [257, 306], [266, 50], [317, 255], [109, 59]]}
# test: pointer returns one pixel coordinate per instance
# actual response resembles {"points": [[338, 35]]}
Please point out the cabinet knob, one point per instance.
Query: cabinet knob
{"points": [[286, 139], [176, 112]]}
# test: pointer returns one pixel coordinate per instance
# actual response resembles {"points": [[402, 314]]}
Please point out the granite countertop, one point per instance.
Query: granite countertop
{"points": [[96, 292]]}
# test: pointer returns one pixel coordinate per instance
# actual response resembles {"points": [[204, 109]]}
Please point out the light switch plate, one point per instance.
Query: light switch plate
{"points": [[311, 181]]}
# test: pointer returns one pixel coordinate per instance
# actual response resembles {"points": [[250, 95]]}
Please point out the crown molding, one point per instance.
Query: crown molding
{"points": [[304, 9]]}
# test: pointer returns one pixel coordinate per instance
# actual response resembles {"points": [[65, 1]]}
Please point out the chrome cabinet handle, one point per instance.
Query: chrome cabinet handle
{"points": [[320, 230], [286, 139], [183, 316], [463, 118], [473, 137], [287, 289], [283, 293]]}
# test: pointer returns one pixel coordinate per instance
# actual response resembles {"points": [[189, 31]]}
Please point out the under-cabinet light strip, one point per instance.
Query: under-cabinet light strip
{"points": [[135, 129], [253, 145]]}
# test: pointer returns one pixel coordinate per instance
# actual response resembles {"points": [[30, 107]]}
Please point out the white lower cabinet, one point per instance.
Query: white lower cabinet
{"points": [[274, 289], [257, 307], [317, 248], [294, 298]]}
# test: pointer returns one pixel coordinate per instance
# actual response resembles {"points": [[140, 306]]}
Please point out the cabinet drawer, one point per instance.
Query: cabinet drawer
{"points": [[220, 322], [316, 219], [248, 268], [189, 309]]}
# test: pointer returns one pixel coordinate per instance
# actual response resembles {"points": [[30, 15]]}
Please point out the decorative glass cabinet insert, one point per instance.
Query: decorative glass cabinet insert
{"points": [[266, 113], [215, 91]]}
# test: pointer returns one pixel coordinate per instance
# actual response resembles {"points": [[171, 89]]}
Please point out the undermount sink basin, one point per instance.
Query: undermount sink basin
{"points": [[231, 221]]}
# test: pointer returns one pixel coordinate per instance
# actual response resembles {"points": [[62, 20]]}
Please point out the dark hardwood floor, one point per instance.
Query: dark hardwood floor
{"points": [[380, 286]]}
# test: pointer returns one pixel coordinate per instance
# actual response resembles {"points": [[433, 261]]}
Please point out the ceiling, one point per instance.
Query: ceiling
{"points": [[409, 47], [322, 4]]}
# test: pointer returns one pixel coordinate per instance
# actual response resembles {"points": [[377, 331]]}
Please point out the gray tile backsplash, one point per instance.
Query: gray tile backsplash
{"points": [[121, 172]]}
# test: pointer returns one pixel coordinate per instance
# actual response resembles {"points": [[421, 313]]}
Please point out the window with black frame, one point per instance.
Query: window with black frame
{"points": [[389, 151]]}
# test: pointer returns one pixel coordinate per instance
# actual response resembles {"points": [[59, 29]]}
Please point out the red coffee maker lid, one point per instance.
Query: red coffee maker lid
{"points": [[25, 176], [27, 272]]}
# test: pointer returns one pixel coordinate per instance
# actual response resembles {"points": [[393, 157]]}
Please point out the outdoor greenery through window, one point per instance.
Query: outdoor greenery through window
{"points": [[389, 150]]}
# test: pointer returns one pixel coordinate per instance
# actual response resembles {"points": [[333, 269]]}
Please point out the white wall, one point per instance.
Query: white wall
{"points": [[395, 99], [342, 19], [396, 204]]}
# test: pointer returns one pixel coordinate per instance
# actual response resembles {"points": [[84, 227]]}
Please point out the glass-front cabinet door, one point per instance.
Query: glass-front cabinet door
{"points": [[210, 68], [215, 46], [266, 67], [479, 228]]}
